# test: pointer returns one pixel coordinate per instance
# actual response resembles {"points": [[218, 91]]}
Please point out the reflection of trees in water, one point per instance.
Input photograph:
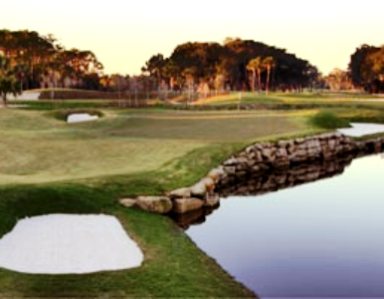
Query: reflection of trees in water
{"points": [[269, 182]]}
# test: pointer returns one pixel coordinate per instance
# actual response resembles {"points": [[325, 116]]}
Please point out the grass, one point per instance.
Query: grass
{"points": [[293, 101], [173, 267], [49, 166], [37, 148], [329, 120]]}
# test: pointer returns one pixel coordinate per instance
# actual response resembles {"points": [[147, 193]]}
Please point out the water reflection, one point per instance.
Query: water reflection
{"points": [[269, 182], [321, 239], [277, 180]]}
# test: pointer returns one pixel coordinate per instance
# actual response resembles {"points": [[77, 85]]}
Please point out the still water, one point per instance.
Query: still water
{"points": [[321, 239]]}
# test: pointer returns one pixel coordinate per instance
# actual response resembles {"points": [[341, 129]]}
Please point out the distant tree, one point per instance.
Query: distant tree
{"points": [[9, 83], [367, 68], [358, 63], [154, 66], [255, 65], [268, 63], [338, 80]]}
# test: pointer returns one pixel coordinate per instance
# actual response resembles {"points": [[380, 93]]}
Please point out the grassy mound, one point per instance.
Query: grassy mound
{"points": [[328, 120]]}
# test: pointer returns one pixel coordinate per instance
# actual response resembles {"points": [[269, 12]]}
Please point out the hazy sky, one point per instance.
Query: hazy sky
{"points": [[124, 33]]}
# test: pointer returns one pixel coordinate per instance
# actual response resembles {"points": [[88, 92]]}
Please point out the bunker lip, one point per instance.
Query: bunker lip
{"points": [[68, 244]]}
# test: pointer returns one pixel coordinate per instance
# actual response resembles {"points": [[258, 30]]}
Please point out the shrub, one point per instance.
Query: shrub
{"points": [[329, 120]]}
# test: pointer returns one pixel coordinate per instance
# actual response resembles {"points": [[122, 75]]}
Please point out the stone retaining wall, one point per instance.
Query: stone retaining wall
{"points": [[256, 161]]}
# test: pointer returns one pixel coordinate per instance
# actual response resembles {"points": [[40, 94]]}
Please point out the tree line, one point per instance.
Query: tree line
{"points": [[39, 61], [235, 65], [29, 60]]}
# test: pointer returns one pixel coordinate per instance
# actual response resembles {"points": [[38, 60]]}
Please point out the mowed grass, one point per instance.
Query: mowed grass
{"points": [[305, 100], [173, 265], [48, 166], [37, 148]]}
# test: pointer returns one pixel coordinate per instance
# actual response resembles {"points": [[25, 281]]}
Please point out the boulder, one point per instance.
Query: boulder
{"points": [[230, 170], [268, 154], [216, 174], [209, 184], [212, 200], [185, 205], [155, 204], [199, 189], [180, 193], [204, 186], [127, 202], [230, 162], [281, 153]]}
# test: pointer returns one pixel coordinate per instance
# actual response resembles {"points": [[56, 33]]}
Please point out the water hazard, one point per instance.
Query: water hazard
{"points": [[319, 239]]}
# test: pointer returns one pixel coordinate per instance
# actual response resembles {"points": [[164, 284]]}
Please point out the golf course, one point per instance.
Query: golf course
{"points": [[49, 166]]}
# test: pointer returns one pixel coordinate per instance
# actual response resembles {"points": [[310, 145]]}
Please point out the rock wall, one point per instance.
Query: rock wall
{"points": [[264, 157], [281, 179], [256, 162]]}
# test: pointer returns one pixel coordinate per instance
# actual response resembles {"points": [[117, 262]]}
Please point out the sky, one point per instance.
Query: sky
{"points": [[124, 34]]}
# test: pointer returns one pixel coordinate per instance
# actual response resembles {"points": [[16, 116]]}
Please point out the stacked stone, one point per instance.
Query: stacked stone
{"points": [[182, 200], [257, 160], [284, 154]]}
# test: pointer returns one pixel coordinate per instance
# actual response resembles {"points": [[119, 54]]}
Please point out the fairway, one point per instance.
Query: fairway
{"points": [[38, 148]]}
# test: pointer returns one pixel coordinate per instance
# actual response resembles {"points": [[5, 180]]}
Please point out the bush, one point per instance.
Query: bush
{"points": [[328, 120]]}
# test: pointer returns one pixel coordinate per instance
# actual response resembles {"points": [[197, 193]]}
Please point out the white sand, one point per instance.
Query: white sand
{"points": [[66, 244], [80, 117], [362, 129]]}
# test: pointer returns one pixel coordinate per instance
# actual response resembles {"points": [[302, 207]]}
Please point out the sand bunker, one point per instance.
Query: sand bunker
{"points": [[66, 244], [362, 129], [81, 117]]}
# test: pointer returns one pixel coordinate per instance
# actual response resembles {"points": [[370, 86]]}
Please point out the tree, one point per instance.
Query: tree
{"points": [[38, 54], [254, 65], [367, 68], [9, 84], [268, 63], [338, 80]]}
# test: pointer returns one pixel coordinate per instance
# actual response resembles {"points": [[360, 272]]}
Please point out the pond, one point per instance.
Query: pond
{"points": [[320, 239], [68, 244]]}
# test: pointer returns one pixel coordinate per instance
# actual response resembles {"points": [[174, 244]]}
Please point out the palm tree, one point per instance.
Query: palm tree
{"points": [[268, 63], [254, 65], [9, 82]]}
